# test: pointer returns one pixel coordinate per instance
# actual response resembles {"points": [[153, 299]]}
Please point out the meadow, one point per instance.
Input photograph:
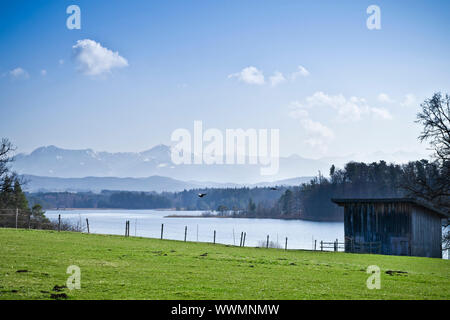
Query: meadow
{"points": [[33, 265]]}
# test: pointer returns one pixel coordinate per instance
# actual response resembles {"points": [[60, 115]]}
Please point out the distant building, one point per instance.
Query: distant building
{"points": [[397, 226]]}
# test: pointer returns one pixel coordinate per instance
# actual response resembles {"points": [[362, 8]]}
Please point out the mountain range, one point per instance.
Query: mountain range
{"points": [[54, 168]]}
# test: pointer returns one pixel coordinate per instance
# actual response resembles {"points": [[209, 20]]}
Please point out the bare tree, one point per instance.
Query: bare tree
{"points": [[431, 181], [6, 148], [435, 118]]}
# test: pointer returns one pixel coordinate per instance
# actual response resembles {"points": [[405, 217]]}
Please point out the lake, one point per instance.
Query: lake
{"points": [[147, 223]]}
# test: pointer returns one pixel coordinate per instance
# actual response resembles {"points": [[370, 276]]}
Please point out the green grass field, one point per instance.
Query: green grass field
{"points": [[115, 267]]}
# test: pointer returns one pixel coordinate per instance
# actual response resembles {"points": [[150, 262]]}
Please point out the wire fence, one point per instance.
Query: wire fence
{"points": [[13, 218], [23, 219]]}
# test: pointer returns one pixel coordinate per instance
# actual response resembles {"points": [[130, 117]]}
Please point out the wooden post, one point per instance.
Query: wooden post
{"points": [[315, 245], [242, 236], [214, 237], [285, 246], [337, 244], [59, 223], [126, 226], [243, 241], [321, 245], [185, 233], [162, 230], [17, 216], [267, 244], [87, 224]]}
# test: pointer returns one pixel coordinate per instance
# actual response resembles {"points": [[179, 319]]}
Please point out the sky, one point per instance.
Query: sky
{"points": [[136, 71]]}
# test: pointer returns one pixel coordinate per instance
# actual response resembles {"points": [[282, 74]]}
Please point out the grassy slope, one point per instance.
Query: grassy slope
{"points": [[114, 267]]}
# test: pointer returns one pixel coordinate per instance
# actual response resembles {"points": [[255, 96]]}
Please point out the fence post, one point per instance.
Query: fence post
{"points": [[214, 237], [162, 230], [59, 223], [242, 235], [285, 246], [315, 245], [267, 244], [243, 241], [321, 245], [185, 233], [87, 224], [126, 225], [17, 216]]}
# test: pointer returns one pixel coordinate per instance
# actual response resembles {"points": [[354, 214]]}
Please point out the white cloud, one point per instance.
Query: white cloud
{"points": [[19, 73], [383, 97], [409, 100], [277, 78], [345, 109], [381, 113], [352, 109], [250, 75], [43, 72], [301, 72], [318, 135], [94, 59]]}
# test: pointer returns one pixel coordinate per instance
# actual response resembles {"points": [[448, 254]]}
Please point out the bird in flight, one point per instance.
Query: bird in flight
{"points": [[201, 195]]}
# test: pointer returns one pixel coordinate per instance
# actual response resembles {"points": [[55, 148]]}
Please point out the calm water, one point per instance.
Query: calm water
{"points": [[147, 223]]}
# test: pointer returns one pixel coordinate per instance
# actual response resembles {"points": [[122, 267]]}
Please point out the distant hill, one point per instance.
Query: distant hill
{"points": [[153, 183], [96, 184]]}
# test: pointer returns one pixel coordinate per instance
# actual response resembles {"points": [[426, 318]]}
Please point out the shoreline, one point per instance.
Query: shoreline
{"points": [[193, 216], [237, 217]]}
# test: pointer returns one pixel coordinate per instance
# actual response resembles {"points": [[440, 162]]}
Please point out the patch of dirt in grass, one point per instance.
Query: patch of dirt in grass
{"points": [[59, 288], [58, 296], [395, 272], [22, 271]]}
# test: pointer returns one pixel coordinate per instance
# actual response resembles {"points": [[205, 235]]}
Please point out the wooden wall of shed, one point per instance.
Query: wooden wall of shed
{"points": [[426, 240], [388, 223]]}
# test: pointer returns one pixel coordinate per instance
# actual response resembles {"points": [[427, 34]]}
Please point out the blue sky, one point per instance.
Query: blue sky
{"points": [[359, 91]]}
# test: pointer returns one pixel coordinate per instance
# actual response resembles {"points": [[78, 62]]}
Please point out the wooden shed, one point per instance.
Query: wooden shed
{"points": [[396, 226]]}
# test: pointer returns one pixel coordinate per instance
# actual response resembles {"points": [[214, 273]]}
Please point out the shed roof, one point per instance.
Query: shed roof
{"points": [[413, 201]]}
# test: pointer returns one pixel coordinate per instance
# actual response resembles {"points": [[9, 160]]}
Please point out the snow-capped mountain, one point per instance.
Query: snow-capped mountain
{"points": [[52, 161]]}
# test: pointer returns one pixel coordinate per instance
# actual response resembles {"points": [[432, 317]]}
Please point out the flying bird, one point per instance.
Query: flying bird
{"points": [[201, 195]]}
